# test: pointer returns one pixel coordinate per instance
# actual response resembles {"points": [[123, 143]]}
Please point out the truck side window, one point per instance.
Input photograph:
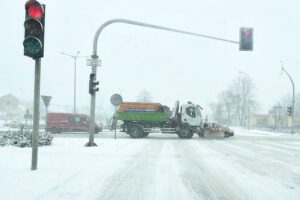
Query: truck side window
{"points": [[190, 111]]}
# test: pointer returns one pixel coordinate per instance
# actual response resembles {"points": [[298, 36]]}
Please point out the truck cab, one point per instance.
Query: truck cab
{"points": [[191, 114]]}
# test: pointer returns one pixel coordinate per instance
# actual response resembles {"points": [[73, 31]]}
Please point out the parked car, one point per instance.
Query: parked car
{"points": [[69, 122]]}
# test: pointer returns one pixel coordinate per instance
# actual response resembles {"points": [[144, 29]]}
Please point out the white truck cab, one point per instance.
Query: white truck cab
{"points": [[191, 114]]}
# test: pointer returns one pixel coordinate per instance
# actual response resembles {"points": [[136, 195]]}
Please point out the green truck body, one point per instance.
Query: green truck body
{"points": [[143, 116]]}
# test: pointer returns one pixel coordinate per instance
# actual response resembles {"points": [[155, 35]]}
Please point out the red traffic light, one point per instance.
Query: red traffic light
{"points": [[34, 9], [246, 39], [246, 32]]}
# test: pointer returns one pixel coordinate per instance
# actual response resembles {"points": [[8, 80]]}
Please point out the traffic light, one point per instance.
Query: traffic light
{"points": [[289, 110], [34, 29], [93, 84], [246, 39]]}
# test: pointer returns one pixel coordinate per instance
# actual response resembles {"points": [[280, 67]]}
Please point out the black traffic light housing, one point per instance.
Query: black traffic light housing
{"points": [[92, 84], [34, 29], [246, 39], [289, 110]]}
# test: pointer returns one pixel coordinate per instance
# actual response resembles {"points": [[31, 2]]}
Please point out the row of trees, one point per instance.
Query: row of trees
{"points": [[235, 104]]}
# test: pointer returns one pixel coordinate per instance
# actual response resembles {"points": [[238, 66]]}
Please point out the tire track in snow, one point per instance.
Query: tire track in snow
{"points": [[64, 190], [133, 180], [198, 177]]}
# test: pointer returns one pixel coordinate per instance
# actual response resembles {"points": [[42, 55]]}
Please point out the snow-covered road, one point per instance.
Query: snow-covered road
{"points": [[246, 166]]}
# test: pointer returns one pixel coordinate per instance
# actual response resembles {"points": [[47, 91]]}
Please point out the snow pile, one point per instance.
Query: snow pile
{"points": [[23, 138]]}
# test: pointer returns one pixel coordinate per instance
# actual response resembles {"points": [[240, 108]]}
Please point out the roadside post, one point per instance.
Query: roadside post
{"points": [[115, 100], [46, 100]]}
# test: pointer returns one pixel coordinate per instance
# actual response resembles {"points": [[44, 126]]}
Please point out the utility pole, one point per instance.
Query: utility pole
{"points": [[293, 101], [74, 57]]}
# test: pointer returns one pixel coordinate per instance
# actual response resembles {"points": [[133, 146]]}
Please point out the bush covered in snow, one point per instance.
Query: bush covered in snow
{"points": [[23, 138]]}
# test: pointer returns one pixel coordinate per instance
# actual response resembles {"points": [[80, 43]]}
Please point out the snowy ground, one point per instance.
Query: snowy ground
{"points": [[250, 165]]}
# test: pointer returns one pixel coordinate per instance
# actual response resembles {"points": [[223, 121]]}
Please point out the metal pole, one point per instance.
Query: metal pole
{"points": [[92, 115], [293, 102], [75, 69], [75, 84], [116, 124], [95, 42], [36, 114], [46, 119], [275, 119]]}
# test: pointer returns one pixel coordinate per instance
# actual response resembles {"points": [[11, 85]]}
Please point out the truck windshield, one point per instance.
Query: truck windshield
{"points": [[191, 111]]}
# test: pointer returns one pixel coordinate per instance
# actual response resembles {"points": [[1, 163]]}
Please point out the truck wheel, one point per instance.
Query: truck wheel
{"points": [[136, 131], [201, 134], [185, 132], [146, 134]]}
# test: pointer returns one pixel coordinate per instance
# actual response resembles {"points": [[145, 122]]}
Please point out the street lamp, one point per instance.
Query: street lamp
{"points": [[293, 103], [74, 57]]}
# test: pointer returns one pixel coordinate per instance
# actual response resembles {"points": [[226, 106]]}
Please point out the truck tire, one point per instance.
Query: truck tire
{"points": [[185, 132], [146, 134], [136, 131], [201, 134]]}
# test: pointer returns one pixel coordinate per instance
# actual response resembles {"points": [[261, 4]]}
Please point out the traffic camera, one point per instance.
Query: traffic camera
{"points": [[34, 29]]}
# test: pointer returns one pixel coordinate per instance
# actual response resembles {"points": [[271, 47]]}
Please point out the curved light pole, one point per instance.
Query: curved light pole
{"points": [[74, 57], [96, 61], [293, 102]]}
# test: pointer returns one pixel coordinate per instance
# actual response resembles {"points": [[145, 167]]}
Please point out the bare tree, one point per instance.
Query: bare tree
{"points": [[228, 99], [144, 96], [243, 89], [236, 103]]}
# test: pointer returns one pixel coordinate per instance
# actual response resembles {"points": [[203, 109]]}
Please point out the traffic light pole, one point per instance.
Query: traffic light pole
{"points": [[293, 103], [36, 114], [92, 114], [112, 21], [95, 56]]}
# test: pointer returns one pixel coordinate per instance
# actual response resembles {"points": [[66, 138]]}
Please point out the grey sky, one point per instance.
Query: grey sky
{"points": [[169, 65]]}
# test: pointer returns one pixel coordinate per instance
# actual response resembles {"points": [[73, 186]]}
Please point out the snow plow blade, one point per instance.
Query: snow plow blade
{"points": [[217, 133]]}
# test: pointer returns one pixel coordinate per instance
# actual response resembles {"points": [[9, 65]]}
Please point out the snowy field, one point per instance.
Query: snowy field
{"points": [[251, 165]]}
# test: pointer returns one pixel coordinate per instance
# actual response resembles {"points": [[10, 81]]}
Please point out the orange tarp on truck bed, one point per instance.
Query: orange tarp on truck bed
{"points": [[139, 105]]}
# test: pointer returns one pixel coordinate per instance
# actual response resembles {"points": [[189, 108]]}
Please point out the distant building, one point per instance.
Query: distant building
{"points": [[270, 121], [9, 104]]}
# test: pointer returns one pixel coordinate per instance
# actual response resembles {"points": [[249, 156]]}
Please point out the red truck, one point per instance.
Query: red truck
{"points": [[69, 122]]}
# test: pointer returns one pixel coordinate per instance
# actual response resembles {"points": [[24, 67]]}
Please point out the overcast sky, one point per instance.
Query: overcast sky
{"points": [[170, 66]]}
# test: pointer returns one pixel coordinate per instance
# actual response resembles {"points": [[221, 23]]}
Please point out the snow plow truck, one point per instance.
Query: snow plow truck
{"points": [[140, 119]]}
